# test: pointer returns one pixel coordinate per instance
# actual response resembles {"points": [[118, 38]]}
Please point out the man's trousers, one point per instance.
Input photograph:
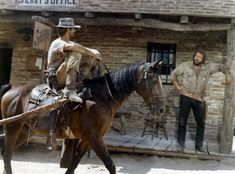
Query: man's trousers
{"points": [[198, 108]]}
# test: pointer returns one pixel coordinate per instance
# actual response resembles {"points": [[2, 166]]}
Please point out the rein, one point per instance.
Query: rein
{"points": [[105, 67], [107, 85], [110, 93]]}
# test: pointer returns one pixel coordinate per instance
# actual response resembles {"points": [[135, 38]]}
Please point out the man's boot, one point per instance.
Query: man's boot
{"points": [[199, 147], [53, 82], [199, 140], [70, 89], [51, 138], [180, 147]]}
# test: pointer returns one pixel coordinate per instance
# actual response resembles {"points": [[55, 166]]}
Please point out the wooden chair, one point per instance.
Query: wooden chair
{"points": [[153, 123]]}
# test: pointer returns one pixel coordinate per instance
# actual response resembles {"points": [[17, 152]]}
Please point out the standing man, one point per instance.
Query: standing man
{"points": [[64, 58], [195, 75]]}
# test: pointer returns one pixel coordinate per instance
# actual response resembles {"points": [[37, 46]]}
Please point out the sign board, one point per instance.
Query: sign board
{"points": [[42, 36], [38, 5], [47, 3]]}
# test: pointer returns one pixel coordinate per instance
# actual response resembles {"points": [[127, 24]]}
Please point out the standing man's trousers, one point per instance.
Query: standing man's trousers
{"points": [[198, 107]]}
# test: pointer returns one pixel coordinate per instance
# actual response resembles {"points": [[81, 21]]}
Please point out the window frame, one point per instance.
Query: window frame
{"points": [[155, 48]]}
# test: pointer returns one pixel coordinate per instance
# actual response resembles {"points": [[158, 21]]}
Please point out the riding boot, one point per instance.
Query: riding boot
{"points": [[51, 138], [199, 145], [53, 82], [70, 89]]}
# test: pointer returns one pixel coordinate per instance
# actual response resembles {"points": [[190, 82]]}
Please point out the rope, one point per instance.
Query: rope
{"points": [[104, 66]]}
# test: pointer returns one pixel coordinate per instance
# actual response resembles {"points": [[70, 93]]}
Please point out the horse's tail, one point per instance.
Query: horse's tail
{"points": [[3, 90]]}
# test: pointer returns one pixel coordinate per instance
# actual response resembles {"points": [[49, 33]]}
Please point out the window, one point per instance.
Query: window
{"points": [[166, 52]]}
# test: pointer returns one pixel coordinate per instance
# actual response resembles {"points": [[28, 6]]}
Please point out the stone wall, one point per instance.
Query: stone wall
{"points": [[122, 45]]}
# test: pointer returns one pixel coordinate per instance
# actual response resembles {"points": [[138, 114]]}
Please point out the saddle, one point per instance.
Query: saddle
{"points": [[43, 95]]}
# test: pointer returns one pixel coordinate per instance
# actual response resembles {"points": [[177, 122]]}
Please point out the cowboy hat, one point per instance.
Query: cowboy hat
{"points": [[67, 23]]}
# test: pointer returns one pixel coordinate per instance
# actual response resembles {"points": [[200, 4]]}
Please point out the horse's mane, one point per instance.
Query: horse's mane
{"points": [[121, 82], [124, 80]]}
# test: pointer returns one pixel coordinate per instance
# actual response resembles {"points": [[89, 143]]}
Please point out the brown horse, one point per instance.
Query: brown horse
{"points": [[89, 125]]}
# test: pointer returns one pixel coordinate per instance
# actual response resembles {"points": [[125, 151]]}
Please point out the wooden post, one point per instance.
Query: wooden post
{"points": [[226, 133]]}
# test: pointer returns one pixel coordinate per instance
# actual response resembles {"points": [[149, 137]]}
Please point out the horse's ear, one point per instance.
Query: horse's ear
{"points": [[155, 65]]}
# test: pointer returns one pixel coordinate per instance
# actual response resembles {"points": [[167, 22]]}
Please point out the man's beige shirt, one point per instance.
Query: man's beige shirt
{"points": [[56, 55], [194, 86]]}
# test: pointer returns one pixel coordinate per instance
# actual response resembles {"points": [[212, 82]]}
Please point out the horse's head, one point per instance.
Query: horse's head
{"points": [[150, 86]]}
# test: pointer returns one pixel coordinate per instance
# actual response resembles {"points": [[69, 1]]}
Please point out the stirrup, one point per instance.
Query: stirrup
{"points": [[51, 141]]}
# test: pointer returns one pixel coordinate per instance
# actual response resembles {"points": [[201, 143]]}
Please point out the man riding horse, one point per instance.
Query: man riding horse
{"points": [[64, 57]]}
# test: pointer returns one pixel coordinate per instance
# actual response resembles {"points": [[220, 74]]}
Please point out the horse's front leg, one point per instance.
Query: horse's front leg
{"points": [[97, 144], [79, 152]]}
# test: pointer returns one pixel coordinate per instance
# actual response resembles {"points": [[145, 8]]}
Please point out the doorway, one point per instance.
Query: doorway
{"points": [[5, 64]]}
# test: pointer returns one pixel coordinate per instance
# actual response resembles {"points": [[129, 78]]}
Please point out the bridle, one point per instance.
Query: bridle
{"points": [[150, 77]]}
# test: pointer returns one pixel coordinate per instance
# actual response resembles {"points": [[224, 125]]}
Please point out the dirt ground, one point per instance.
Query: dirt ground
{"points": [[35, 159]]}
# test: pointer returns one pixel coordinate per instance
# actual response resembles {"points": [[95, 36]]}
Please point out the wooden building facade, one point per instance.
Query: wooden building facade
{"points": [[127, 31]]}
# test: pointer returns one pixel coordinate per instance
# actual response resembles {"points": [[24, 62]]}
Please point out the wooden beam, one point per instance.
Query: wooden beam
{"points": [[233, 23], [226, 133], [46, 13], [187, 155], [143, 23], [138, 16], [89, 14], [6, 12], [152, 23], [184, 19]]}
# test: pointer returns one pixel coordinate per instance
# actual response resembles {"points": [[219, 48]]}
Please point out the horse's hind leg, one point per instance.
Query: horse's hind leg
{"points": [[97, 144], [12, 133], [80, 151], [23, 136]]}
